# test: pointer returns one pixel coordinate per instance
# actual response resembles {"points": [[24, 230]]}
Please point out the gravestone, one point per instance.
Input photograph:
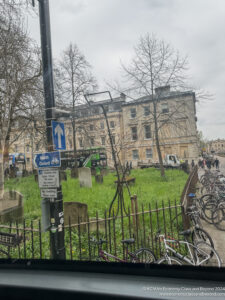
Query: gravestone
{"points": [[75, 210], [93, 171], [98, 178], [62, 175], [74, 173], [104, 172], [36, 177], [11, 207], [25, 173], [12, 173], [85, 177]]}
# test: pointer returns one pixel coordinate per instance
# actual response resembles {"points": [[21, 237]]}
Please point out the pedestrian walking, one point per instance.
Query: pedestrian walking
{"points": [[217, 163], [204, 163], [208, 163], [192, 163]]}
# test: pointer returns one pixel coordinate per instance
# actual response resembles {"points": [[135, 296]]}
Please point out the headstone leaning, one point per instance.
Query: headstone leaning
{"points": [[85, 177]]}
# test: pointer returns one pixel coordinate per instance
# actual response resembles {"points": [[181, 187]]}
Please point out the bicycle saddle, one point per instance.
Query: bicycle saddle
{"points": [[128, 241], [186, 232]]}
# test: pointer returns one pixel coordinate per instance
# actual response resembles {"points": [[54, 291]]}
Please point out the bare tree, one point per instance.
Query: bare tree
{"points": [[73, 79], [20, 69], [155, 64]]}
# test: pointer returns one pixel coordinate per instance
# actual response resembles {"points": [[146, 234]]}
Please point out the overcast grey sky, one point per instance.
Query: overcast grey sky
{"points": [[106, 31]]}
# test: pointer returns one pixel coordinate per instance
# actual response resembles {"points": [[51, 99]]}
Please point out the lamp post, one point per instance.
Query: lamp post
{"points": [[57, 245]]}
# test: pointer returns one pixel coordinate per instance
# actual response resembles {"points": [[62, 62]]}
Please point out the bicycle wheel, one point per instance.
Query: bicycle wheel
{"points": [[169, 261], [218, 218], [205, 198], [205, 255], [200, 235], [207, 211], [144, 255]]}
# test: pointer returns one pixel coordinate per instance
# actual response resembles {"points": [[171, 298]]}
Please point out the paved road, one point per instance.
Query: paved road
{"points": [[222, 164], [217, 235]]}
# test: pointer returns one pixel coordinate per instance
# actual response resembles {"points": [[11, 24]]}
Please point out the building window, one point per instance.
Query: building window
{"points": [[80, 142], [102, 125], [92, 141], [103, 140], [37, 147], [91, 127], [16, 148], [149, 153], [134, 133], [112, 124], [146, 111], [133, 113], [27, 148], [148, 132], [135, 154], [165, 108]]}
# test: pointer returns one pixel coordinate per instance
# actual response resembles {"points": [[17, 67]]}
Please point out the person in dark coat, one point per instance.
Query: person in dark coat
{"points": [[217, 163], [208, 163]]}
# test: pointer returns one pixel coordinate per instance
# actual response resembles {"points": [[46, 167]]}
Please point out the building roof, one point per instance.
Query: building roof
{"points": [[170, 95]]}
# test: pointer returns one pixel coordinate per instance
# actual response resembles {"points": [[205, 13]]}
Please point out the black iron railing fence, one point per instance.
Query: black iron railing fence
{"points": [[142, 225], [190, 187]]}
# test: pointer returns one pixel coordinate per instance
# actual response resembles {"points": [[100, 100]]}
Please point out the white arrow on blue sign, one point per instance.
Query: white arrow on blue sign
{"points": [[58, 134], [47, 160]]}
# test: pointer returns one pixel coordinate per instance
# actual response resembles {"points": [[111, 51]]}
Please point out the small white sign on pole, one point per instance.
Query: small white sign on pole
{"points": [[49, 193], [48, 178]]}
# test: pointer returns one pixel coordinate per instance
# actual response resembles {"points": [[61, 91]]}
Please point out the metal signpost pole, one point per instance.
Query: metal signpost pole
{"points": [[56, 204]]}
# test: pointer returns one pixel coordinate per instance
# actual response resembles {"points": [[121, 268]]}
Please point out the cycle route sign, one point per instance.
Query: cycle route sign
{"points": [[47, 160]]}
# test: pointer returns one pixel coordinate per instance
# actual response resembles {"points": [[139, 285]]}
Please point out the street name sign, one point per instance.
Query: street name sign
{"points": [[47, 160], [48, 193], [58, 134], [48, 178]]}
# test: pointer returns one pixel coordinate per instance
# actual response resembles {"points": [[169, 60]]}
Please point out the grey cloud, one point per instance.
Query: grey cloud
{"points": [[107, 30]]}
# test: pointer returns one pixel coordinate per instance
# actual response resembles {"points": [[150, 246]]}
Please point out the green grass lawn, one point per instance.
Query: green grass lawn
{"points": [[149, 188]]}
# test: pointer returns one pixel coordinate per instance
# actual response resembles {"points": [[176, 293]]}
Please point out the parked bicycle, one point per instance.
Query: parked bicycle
{"points": [[200, 254], [142, 255], [197, 232]]}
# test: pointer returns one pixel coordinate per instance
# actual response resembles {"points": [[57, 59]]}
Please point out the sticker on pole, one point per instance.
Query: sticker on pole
{"points": [[47, 160], [48, 178], [48, 193], [58, 134]]}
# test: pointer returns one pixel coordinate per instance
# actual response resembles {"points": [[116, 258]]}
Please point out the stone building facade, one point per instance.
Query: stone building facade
{"points": [[217, 146], [132, 127]]}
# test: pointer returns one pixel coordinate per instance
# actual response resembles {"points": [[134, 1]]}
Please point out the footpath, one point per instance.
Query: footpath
{"points": [[218, 236]]}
